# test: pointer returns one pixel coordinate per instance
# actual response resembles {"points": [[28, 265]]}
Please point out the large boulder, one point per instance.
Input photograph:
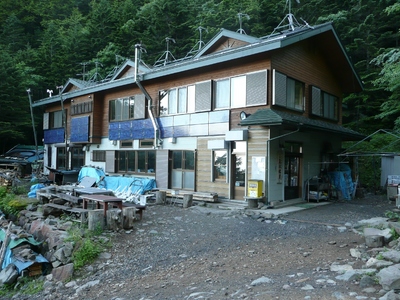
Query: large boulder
{"points": [[9, 274]]}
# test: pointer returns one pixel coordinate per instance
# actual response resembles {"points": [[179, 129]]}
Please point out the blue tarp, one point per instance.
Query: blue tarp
{"points": [[91, 172], [342, 181], [32, 192], [136, 185]]}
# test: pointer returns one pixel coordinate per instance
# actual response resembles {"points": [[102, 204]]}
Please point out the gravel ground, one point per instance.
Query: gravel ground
{"points": [[209, 253]]}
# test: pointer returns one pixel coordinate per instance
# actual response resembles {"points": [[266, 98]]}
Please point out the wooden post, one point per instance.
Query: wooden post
{"points": [[129, 215], [160, 197], [114, 219], [96, 219], [187, 200]]}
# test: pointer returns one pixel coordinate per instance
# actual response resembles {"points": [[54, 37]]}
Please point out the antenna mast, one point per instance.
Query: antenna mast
{"points": [[165, 57], [199, 45], [240, 15]]}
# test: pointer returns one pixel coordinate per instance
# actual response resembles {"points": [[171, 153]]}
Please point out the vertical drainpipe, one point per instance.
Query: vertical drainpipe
{"points": [[157, 143]]}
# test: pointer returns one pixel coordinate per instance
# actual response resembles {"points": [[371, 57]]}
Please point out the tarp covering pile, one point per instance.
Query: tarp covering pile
{"points": [[342, 181], [127, 184]]}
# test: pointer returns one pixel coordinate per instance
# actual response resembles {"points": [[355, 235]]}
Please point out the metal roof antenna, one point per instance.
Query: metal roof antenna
{"points": [[165, 57], [199, 45], [84, 73], [292, 23], [240, 16], [96, 77]]}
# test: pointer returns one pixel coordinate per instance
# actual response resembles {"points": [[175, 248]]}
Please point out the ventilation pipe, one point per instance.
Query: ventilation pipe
{"points": [[157, 140]]}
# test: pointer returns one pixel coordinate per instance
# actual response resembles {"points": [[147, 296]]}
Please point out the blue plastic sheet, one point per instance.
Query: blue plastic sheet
{"points": [[34, 188], [91, 172], [342, 181], [135, 185]]}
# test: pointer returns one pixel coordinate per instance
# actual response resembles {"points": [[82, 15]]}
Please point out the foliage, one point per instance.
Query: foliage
{"points": [[87, 246], [86, 253], [44, 44], [11, 204]]}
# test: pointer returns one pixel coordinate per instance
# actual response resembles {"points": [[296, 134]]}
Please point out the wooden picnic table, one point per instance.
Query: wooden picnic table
{"points": [[104, 200]]}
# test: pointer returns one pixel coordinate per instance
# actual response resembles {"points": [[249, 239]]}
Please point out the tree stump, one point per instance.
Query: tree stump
{"points": [[160, 197], [129, 216], [96, 219], [187, 200], [114, 219]]}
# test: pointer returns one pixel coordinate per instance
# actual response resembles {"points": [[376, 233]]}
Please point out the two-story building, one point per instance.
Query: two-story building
{"points": [[242, 108]]}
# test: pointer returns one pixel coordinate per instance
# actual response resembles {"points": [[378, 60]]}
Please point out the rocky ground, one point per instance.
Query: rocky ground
{"points": [[211, 253]]}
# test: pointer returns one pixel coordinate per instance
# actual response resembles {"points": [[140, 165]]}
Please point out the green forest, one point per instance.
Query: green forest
{"points": [[44, 43]]}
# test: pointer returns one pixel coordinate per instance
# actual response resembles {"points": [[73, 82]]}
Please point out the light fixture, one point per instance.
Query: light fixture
{"points": [[243, 115]]}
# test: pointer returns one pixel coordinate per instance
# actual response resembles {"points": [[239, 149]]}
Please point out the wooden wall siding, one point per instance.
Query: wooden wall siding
{"points": [[204, 171], [305, 63], [257, 145]]}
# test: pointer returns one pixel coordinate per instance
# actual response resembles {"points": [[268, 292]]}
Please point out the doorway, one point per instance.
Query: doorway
{"points": [[293, 154], [238, 167]]}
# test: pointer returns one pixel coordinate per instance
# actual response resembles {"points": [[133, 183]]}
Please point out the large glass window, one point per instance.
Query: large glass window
{"points": [[56, 119], [177, 100], [61, 158], [134, 161], [220, 166], [122, 109], [230, 92], [222, 93], [324, 104], [77, 158]]}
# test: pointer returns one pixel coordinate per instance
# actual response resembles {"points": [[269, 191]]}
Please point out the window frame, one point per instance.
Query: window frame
{"points": [[215, 176], [121, 109], [324, 104], [149, 161]]}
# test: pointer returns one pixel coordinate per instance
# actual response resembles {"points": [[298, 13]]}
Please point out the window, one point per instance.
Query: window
{"points": [[77, 158], [126, 144], [324, 104], [136, 161], [81, 108], [61, 158], [122, 109], [177, 100], [241, 91], [99, 155], [56, 119], [220, 169], [146, 143], [230, 92], [288, 92]]}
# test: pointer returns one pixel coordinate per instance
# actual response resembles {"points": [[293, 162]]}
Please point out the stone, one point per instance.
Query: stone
{"points": [[86, 286], [63, 273], [355, 274], [391, 295], [340, 268], [355, 253], [389, 278], [187, 200], [9, 274], [395, 226], [261, 280], [367, 281], [374, 240], [391, 255], [377, 232], [377, 263]]}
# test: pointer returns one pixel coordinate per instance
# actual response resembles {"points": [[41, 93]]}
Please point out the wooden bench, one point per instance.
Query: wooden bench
{"points": [[198, 196], [73, 210]]}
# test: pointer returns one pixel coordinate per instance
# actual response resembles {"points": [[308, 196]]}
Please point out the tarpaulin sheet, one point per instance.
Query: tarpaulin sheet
{"points": [[134, 185], [342, 181], [91, 172]]}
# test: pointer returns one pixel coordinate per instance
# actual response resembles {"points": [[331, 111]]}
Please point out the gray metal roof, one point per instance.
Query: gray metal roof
{"points": [[272, 117], [331, 41]]}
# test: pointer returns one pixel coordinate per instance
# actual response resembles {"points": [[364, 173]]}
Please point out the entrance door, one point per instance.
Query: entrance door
{"points": [[182, 175], [238, 162], [292, 167]]}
